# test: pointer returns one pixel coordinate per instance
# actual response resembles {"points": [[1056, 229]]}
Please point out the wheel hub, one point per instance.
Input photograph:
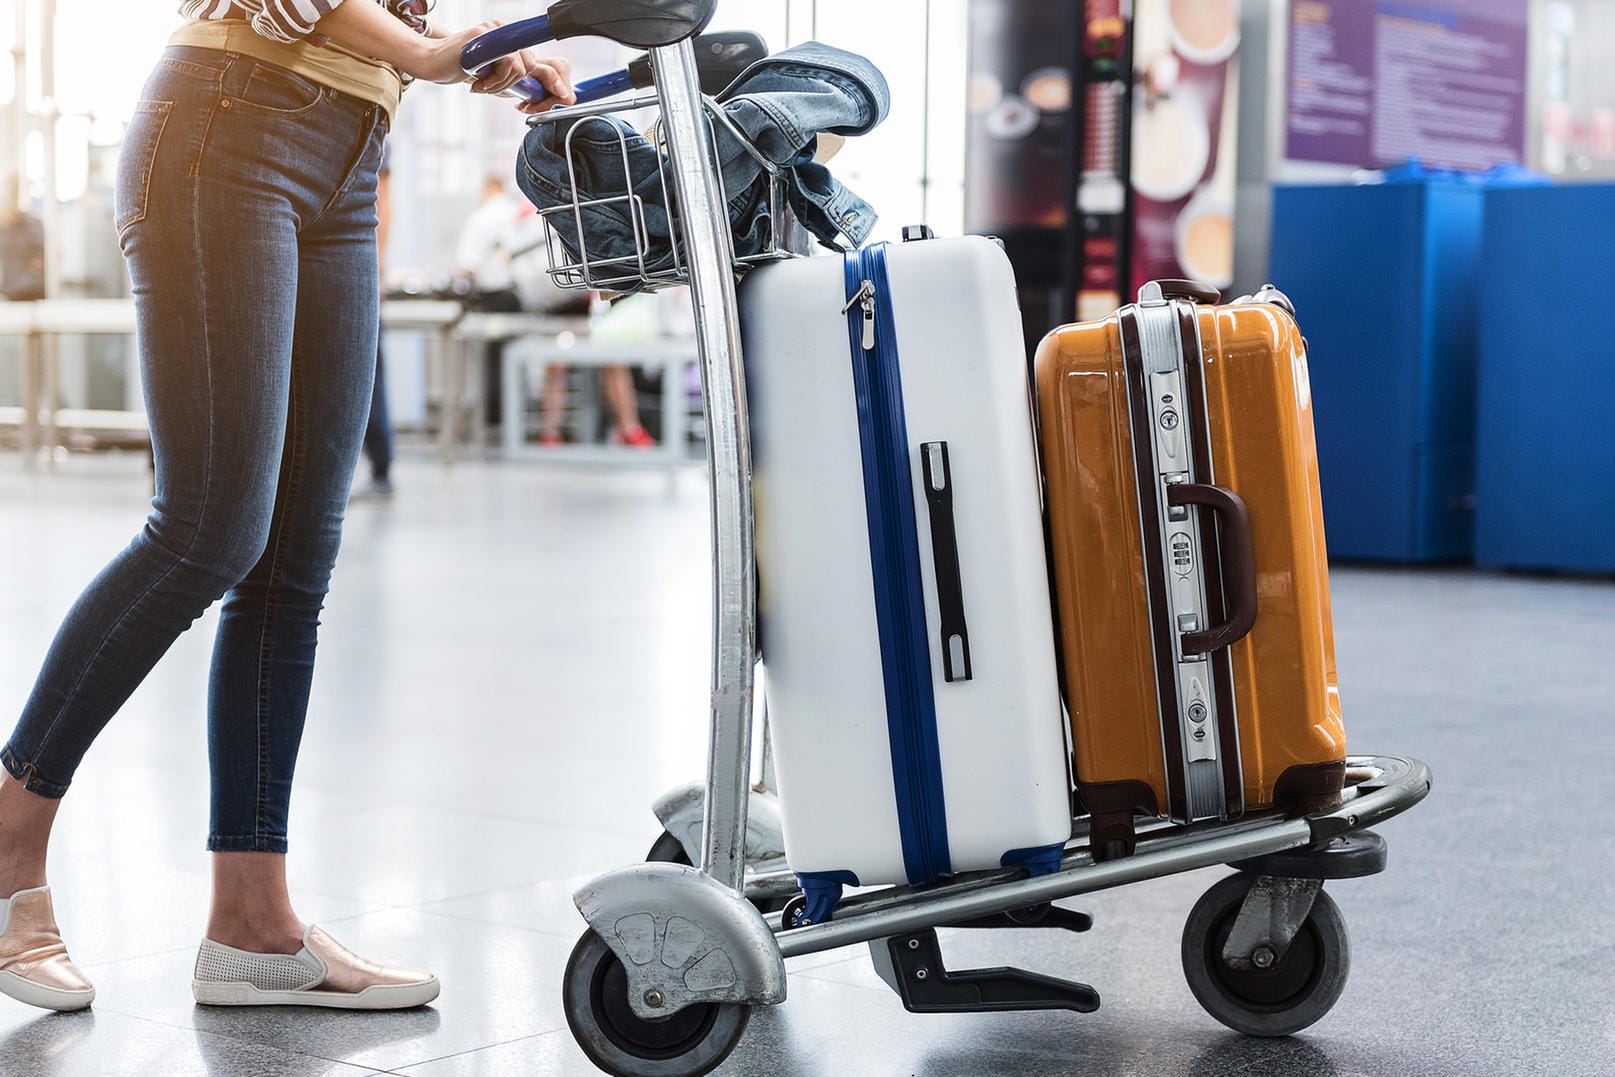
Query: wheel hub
{"points": [[1272, 982], [665, 1037]]}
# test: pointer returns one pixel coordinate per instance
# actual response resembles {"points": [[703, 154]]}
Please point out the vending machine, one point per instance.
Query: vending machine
{"points": [[1101, 148]]}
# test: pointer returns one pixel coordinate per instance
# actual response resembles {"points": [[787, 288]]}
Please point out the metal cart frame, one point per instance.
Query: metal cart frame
{"points": [[676, 954]]}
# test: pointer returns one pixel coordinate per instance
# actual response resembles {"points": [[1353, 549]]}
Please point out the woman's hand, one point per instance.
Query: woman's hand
{"points": [[560, 90], [443, 66], [369, 29], [552, 72]]}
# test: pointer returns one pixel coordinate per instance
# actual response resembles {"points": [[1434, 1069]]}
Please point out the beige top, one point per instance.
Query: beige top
{"points": [[326, 63]]}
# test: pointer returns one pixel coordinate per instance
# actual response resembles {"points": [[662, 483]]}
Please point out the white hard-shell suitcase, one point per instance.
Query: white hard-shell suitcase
{"points": [[904, 598]]}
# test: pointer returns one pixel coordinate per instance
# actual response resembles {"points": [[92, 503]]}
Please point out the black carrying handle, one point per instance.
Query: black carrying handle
{"points": [[938, 477], [1191, 290], [1238, 556], [720, 58], [639, 24]]}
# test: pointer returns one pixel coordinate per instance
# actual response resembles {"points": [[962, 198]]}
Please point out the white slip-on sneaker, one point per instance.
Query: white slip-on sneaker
{"points": [[34, 966], [322, 973]]}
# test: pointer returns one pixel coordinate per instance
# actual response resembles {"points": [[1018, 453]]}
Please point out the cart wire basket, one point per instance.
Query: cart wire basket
{"points": [[616, 224]]}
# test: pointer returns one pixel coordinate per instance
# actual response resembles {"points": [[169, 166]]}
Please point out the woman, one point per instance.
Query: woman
{"points": [[246, 210]]}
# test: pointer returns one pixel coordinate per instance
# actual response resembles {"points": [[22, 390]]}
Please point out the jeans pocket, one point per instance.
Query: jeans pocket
{"points": [[279, 92], [136, 160]]}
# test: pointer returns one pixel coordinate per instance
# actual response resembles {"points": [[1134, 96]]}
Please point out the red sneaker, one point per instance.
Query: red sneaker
{"points": [[633, 435], [552, 441]]}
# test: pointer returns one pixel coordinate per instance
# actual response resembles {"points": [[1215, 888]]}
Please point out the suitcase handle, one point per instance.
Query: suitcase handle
{"points": [[1238, 553], [938, 476], [1191, 290]]}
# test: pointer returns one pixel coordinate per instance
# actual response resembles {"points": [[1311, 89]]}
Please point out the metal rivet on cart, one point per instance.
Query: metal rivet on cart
{"points": [[654, 999], [225, 103], [921, 973], [913, 944]]}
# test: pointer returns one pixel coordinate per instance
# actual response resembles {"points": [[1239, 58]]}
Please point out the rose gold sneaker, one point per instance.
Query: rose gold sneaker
{"points": [[322, 973], [34, 966]]}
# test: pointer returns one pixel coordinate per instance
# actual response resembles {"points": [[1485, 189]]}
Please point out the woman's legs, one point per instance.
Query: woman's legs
{"points": [[255, 441], [378, 433], [263, 656], [25, 822], [215, 332]]}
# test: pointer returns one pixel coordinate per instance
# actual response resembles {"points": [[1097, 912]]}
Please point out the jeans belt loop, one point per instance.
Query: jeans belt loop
{"points": [[233, 82]]}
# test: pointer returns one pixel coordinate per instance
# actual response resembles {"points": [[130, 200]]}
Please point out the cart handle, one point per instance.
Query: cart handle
{"points": [[639, 24], [720, 58]]}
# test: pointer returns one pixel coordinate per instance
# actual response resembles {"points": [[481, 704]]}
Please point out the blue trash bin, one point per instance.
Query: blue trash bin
{"points": [[1384, 279], [1545, 465]]}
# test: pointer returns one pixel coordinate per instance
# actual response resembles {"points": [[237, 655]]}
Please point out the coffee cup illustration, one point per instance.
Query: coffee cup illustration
{"points": [[983, 92], [1012, 119], [1204, 239], [1048, 89], [1171, 147], [1204, 31]]}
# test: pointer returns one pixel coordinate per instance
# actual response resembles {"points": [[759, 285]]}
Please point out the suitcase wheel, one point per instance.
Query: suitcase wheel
{"points": [[791, 915], [1270, 996]]}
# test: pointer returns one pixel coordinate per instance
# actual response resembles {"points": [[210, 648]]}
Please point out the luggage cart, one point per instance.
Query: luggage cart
{"points": [[676, 956]]}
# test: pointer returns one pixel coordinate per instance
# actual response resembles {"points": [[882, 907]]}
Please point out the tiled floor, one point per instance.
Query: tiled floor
{"points": [[514, 664]]}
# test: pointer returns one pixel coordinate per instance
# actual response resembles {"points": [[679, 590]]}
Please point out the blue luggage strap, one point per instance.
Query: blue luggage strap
{"points": [[894, 555]]}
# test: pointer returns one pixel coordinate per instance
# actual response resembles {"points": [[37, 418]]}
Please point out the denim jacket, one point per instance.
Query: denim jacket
{"points": [[780, 103]]}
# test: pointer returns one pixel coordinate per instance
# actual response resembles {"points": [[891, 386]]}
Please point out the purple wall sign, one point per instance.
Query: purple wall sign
{"points": [[1373, 82]]}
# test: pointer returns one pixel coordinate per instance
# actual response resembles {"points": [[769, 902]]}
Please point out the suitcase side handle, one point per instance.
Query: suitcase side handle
{"points": [[1238, 554], [1159, 291], [938, 477]]}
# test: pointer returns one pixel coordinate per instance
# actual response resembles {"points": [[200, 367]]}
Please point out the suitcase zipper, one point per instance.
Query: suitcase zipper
{"points": [[914, 744], [865, 297]]}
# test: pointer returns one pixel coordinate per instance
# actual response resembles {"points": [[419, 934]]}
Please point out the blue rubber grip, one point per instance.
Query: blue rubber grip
{"points": [[600, 88], [595, 89], [504, 40]]}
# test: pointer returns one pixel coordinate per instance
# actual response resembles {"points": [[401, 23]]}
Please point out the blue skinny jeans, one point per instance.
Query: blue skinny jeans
{"points": [[246, 211]]}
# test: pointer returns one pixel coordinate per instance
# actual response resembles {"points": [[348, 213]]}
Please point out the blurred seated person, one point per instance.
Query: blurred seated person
{"points": [[629, 321], [502, 250], [22, 246]]}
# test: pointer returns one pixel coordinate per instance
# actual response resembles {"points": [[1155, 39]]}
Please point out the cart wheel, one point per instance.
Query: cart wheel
{"points": [[669, 850], [1286, 998], [689, 1043]]}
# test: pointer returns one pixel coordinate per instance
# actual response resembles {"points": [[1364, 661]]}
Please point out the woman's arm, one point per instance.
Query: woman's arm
{"points": [[369, 29]]}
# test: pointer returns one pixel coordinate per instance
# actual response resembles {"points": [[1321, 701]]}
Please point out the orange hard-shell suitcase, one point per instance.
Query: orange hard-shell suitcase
{"points": [[1191, 585]]}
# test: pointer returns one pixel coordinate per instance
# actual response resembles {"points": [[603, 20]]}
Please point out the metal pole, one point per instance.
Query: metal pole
{"points": [[710, 252]]}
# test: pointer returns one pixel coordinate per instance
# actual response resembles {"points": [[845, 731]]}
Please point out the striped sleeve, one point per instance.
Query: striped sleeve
{"points": [[291, 20]]}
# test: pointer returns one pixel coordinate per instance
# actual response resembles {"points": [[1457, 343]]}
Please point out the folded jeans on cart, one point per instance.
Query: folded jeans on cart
{"points": [[780, 104]]}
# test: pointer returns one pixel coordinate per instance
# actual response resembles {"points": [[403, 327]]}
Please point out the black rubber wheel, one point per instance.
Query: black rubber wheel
{"points": [[669, 850], [1284, 999], [1114, 849], [791, 915], [689, 1043]]}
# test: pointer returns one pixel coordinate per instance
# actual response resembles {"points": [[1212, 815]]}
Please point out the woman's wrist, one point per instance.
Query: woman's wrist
{"points": [[417, 55]]}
